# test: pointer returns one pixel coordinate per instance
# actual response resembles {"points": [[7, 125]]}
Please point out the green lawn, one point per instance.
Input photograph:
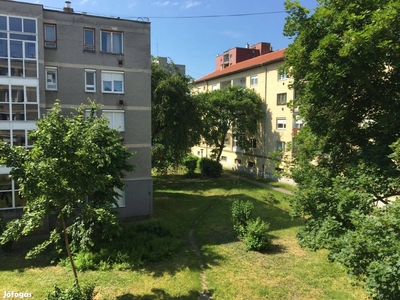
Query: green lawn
{"points": [[230, 272]]}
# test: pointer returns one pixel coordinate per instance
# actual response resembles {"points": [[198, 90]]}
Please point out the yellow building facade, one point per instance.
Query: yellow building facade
{"points": [[275, 133]]}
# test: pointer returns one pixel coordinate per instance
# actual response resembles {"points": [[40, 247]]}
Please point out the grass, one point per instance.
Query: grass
{"points": [[230, 272]]}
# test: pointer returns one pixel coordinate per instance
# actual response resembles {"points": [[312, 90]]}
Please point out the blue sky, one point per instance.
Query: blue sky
{"points": [[195, 42]]}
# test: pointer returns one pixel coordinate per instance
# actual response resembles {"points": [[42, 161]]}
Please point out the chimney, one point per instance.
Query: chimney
{"points": [[68, 8], [247, 46]]}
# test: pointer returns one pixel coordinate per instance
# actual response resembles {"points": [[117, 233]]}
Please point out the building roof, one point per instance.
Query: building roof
{"points": [[245, 65]]}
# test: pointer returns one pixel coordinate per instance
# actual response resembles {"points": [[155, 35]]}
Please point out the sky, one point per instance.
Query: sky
{"points": [[194, 32]]}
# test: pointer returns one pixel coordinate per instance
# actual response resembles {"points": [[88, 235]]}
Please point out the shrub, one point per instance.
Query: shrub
{"points": [[241, 212], [7, 246], [256, 237], [190, 162], [210, 168], [74, 292]]}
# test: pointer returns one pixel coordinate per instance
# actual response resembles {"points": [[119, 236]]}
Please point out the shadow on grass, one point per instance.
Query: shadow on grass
{"points": [[160, 294]]}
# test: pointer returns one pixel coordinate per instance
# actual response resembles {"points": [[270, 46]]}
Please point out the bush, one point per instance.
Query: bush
{"points": [[210, 168], [190, 162], [7, 246], [241, 212], [72, 293], [256, 237]]}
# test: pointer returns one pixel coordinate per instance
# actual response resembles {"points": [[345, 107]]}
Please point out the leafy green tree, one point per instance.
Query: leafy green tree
{"points": [[175, 116], [73, 158], [235, 109], [346, 65]]}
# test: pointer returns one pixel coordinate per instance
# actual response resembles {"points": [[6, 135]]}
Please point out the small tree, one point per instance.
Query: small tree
{"points": [[234, 109], [73, 158]]}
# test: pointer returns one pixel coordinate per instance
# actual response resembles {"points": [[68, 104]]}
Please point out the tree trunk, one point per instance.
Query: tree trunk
{"points": [[68, 248]]}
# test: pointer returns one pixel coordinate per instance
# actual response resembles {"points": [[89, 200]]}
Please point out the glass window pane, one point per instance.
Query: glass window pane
{"points": [[18, 112], [29, 25], [107, 86], [50, 33], [30, 50], [31, 95], [90, 78], [16, 49], [4, 93], [3, 48], [18, 137], [5, 199], [17, 93], [117, 86], [3, 23], [5, 180], [117, 43], [106, 41], [5, 137], [4, 112], [15, 24], [31, 112], [30, 68], [3, 67], [16, 67], [89, 37], [25, 37], [19, 201]]}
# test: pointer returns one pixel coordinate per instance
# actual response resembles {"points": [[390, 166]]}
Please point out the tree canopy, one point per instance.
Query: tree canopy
{"points": [[345, 63], [72, 158], [175, 117], [233, 109]]}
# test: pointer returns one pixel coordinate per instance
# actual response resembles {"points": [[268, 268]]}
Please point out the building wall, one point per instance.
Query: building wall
{"points": [[265, 80], [132, 104]]}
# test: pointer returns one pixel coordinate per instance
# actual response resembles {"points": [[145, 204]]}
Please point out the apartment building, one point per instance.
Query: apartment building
{"points": [[47, 55], [255, 67]]}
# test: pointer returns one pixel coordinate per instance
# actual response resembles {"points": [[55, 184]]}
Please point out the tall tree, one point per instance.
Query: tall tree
{"points": [[72, 158], [345, 62], [175, 117], [235, 109]]}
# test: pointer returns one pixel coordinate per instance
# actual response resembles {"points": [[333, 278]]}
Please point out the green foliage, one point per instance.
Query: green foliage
{"points": [[7, 246], [256, 237], [345, 64], [241, 212], [210, 168], [190, 162], [75, 292], [174, 115], [136, 244], [234, 109], [72, 158], [371, 251]]}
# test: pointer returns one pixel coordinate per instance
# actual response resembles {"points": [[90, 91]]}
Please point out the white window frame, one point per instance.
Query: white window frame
{"points": [[112, 115], [214, 87], [50, 43], [253, 80], [282, 76], [51, 86], [281, 123], [88, 46], [112, 76], [90, 88], [280, 97], [280, 146], [112, 33]]}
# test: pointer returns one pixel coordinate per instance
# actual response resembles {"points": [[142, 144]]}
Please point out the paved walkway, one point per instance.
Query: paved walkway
{"points": [[238, 177]]}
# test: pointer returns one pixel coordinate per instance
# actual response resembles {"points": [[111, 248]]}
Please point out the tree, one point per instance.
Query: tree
{"points": [[234, 109], [175, 116], [345, 63], [73, 158]]}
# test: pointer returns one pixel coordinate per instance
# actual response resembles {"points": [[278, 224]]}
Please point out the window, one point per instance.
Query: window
{"points": [[50, 36], [51, 78], [214, 87], [281, 123], [253, 80], [90, 80], [281, 99], [88, 39], [253, 143], [116, 118], [19, 103], [282, 75], [224, 158], [280, 146], [111, 42], [112, 82]]}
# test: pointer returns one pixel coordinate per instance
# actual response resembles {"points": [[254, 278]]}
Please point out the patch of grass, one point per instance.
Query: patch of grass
{"points": [[231, 272]]}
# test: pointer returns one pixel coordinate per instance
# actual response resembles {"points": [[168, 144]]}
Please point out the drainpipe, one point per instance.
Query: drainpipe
{"points": [[264, 121]]}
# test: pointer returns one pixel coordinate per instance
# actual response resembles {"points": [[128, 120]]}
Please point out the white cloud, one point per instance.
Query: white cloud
{"points": [[83, 2], [189, 4], [132, 4], [160, 3]]}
